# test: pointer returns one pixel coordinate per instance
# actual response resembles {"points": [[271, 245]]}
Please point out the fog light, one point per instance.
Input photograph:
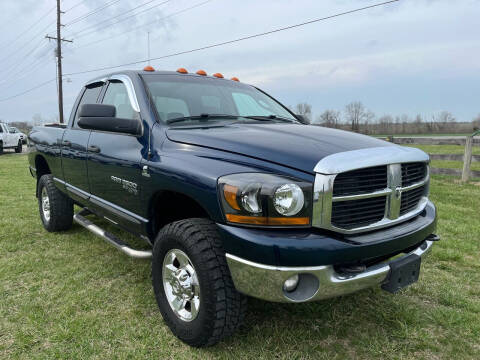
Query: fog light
{"points": [[291, 283]]}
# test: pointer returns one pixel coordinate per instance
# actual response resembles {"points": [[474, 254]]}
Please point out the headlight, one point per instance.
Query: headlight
{"points": [[265, 199], [288, 199]]}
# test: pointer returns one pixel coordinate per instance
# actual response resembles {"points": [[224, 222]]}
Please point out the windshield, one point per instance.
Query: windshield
{"points": [[180, 96]]}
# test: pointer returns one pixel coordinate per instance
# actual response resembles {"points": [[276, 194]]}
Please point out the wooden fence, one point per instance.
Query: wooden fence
{"points": [[467, 158]]}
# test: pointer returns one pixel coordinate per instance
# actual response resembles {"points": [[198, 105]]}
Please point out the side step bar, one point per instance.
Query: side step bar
{"points": [[109, 237]]}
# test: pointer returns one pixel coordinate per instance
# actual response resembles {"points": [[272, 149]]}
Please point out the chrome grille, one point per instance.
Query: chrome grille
{"points": [[355, 213], [373, 197], [410, 199], [413, 173], [360, 181]]}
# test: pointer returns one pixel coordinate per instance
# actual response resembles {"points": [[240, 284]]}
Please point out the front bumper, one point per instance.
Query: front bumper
{"points": [[316, 282]]}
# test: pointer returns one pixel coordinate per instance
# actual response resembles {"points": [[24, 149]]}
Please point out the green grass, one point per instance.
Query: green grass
{"points": [[447, 164], [446, 149], [423, 135], [72, 296], [449, 149]]}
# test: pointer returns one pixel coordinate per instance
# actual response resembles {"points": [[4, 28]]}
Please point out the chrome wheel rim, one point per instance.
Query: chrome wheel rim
{"points": [[45, 205], [181, 286]]}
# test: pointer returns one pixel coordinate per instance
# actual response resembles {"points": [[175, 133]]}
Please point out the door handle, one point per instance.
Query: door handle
{"points": [[66, 143], [93, 149]]}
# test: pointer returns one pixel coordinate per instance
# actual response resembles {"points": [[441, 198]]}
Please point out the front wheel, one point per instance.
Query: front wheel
{"points": [[192, 283], [56, 209], [19, 148]]}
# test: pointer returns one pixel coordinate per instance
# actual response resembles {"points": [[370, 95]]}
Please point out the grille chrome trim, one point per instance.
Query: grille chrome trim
{"points": [[383, 192], [323, 187], [364, 158]]}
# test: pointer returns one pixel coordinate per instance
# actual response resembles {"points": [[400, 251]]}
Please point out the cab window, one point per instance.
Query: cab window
{"points": [[117, 96]]}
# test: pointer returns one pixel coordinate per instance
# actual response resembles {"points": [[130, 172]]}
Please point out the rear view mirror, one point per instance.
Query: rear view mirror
{"points": [[102, 118]]}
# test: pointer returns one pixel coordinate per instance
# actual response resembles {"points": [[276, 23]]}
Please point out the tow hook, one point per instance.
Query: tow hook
{"points": [[433, 237]]}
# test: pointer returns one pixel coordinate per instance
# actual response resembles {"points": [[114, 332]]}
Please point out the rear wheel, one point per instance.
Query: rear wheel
{"points": [[56, 209], [19, 149], [192, 283]]}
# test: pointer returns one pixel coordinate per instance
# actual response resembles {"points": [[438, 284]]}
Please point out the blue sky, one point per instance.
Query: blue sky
{"points": [[410, 57]]}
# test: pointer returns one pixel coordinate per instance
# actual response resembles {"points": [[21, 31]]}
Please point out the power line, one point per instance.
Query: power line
{"points": [[76, 5], [27, 43], [94, 28], [209, 46], [143, 25], [11, 72], [93, 12], [239, 39], [29, 90], [30, 70], [6, 45]]}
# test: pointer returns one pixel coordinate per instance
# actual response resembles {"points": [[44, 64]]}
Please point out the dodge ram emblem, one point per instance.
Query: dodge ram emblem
{"points": [[398, 193]]}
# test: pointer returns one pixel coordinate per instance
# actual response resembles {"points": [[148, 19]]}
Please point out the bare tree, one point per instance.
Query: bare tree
{"points": [[37, 119], [329, 118], [356, 114], [476, 123], [446, 117], [304, 109]]}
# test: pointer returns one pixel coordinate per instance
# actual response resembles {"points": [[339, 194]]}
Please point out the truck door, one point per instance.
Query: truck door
{"points": [[74, 147], [114, 161]]}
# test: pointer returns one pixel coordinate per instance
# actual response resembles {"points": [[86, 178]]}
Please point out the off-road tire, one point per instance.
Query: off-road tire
{"points": [[222, 308], [61, 207], [19, 148]]}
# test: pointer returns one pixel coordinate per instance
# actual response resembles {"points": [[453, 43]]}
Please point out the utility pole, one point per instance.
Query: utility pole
{"points": [[59, 61]]}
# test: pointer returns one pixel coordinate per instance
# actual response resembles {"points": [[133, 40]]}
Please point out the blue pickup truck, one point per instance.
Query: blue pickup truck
{"points": [[235, 195]]}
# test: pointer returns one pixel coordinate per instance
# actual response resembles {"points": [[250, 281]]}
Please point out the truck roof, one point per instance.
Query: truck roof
{"points": [[132, 73]]}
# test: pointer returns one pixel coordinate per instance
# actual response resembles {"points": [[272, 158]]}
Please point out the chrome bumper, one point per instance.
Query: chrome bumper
{"points": [[316, 283]]}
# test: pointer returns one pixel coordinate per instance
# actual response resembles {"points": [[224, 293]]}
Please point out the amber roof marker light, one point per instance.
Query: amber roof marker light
{"points": [[182, 71], [218, 75], [148, 68], [234, 78], [201, 72]]}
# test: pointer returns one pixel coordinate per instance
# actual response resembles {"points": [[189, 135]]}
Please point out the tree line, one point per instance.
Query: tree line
{"points": [[356, 117]]}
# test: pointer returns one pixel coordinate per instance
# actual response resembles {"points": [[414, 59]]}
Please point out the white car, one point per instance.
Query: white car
{"points": [[9, 139], [23, 137]]}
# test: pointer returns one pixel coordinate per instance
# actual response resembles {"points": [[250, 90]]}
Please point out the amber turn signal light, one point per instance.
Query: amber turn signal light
{"points": [[261, 220], [218, 75], [230, 194], [148, 68], [182, 71], [201, 72]]}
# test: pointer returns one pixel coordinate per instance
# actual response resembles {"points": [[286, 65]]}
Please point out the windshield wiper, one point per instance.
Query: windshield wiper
{"points": [[201, 117], [269, 118]]}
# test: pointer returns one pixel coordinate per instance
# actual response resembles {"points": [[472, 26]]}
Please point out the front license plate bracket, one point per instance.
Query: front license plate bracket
{"points": [[403, 272]]}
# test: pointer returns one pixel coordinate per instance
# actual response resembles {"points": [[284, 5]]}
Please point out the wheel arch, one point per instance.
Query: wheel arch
{"points": [[167, 206], [42, 168]]}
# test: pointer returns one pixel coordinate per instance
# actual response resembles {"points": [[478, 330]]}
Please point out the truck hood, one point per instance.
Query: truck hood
{"points": [[296, 146]]}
